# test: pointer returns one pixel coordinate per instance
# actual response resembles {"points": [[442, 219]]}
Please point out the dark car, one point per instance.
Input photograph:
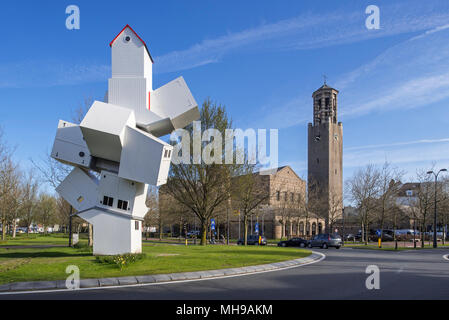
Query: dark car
{"points": [[325, 241], [294, 242], [253, 240], [350, 237]]}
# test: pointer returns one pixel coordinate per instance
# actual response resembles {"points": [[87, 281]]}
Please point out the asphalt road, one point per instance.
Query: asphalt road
{"points": [[422, 274]]}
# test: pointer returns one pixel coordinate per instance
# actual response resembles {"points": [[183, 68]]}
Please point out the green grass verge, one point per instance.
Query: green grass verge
{"points": [[39, 239], [50, 264]]}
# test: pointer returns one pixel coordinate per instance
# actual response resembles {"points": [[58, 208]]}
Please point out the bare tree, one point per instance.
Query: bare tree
{"points": [[46, 210], [9, 182], [425, 200], [363, 189], [202, 187], [389, 185], [248, 193], [30, 188]]}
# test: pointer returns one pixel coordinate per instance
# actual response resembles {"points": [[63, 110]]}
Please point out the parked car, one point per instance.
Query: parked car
{"points": [[253, 240], [193, 233], [293, 242], [350, 237], [325, 241]]}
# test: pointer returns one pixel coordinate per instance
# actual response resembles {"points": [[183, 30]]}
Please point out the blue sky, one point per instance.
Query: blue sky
{"points": [[262, 59]]}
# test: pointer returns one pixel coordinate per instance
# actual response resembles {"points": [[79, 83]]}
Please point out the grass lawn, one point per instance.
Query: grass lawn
{"points": [[39, 239], [49, 264]]}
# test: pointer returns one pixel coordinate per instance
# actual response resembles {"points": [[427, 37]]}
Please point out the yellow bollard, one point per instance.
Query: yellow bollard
{"points": [[187, 243], [380, 243]]}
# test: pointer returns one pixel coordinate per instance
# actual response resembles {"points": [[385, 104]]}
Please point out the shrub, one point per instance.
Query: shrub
{"points": [[121, 260]]}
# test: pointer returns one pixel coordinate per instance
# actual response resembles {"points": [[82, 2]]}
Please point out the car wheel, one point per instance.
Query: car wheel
{"points": [[338, 247], [325, 246], [283, 245], [302, 245], [310, 245]]}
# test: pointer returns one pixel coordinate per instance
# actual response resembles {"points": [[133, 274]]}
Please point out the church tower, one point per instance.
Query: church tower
{"points": [[325, 156]]}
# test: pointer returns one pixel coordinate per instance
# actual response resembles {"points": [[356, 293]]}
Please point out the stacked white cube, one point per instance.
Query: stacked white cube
{"points": [[116, 150]]}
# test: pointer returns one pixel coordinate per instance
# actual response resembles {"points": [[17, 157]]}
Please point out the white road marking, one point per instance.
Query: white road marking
{"points": [[323, 256], [446, 257]]}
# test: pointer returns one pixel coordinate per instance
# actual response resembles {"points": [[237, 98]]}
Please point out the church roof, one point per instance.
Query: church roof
{"points": [[325, 87]]}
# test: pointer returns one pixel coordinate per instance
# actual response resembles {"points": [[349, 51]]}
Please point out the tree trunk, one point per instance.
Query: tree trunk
{"points": [[3, 230], [203, 232], [245, 230], [14, 228], [422, 236], [366, 232], [160, 227]]}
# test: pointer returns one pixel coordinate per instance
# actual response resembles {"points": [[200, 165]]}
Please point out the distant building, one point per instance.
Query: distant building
{"points": [[279, 216]]}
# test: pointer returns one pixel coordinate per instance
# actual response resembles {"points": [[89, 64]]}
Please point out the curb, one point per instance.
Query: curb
{"points": [[59, 285]]}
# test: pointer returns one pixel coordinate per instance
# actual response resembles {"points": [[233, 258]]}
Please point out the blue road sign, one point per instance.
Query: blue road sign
{"points": [[257, 227], [212, 224], [378, 233]]}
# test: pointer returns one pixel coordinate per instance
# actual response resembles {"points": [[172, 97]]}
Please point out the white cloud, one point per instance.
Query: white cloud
{"points": [[411, 152], [307, 31], [50, 73]]}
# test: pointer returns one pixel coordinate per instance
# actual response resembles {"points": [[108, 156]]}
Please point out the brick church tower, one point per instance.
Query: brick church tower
{"points": [[325, 156]]}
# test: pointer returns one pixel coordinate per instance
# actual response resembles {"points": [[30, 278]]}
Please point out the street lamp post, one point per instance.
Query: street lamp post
{"points": [[343, 216], [435, 206]]}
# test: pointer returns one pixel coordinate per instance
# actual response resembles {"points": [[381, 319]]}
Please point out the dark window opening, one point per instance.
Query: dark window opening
{"points": [[108, 201], [317, 160], [278, 196], [137, 225], [122, 205]]}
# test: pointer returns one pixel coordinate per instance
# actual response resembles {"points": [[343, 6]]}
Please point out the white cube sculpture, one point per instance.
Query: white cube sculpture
{"points": [[116, 151]]}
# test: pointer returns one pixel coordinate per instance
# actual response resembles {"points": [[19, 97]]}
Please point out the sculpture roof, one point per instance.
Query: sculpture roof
{"points": [[145, 45]]}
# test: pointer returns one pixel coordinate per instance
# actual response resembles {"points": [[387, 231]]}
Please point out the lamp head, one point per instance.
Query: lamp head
{"points": [[429, 172]]}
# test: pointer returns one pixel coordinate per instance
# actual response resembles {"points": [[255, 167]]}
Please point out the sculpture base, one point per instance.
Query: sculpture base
{"points": [[114, 234]]}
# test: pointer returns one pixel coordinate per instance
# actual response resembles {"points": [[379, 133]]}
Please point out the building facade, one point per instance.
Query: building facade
{"points": [[325, 154]]}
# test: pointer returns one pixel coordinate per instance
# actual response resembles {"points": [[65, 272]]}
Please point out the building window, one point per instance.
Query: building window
{"points": [[122, 205], [278, 196], [137, 225], [293, 197], [108, 201], [317, 160], [286, 196]]}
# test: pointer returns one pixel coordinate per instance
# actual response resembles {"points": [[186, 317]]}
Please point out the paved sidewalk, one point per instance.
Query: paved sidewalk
{"points": [[136, 280]]}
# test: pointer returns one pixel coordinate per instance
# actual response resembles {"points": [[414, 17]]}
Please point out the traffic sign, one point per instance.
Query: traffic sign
{"points": [[212, 224], [257, 227]]}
